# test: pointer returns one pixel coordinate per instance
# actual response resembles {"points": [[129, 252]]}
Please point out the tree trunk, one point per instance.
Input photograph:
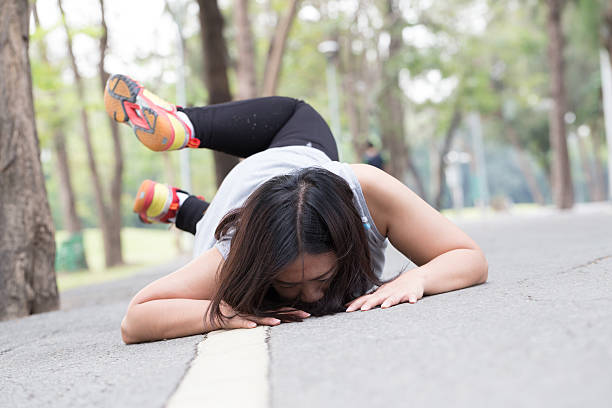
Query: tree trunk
{"points": [[389, 118], [353, 104], [607, 31], [276, 51], [523, 164], [607, 43], [585, 162], [114, 209], [27, 245], [103, 214], [215, 72], [561, 179], [598, 170], [245, 72], [391, 111], [448, 141], [72, 222]]}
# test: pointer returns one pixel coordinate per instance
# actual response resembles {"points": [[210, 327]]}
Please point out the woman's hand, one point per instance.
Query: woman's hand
{"points": [[249, 322], [408, 287]]}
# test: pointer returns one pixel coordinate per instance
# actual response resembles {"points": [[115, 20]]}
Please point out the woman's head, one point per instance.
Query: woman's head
{"points": [[298, 241]]}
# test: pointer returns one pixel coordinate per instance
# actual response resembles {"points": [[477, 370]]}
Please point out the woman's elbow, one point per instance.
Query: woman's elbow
{"points": [[125, 332], [483, 269]]}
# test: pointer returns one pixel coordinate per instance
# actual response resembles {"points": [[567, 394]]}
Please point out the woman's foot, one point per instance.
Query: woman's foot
{"points": [[156, 202], [157, 123]]}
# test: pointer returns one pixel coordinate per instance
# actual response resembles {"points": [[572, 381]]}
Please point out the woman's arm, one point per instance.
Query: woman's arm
{"points": [[173, 305], [164, 319], [446, 257]]}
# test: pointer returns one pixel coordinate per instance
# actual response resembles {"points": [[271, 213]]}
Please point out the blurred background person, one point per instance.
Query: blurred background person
{"points": [[372, 156]]}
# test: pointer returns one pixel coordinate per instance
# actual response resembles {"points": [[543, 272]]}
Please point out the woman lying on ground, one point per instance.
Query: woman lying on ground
{"points": [[291, 232]]}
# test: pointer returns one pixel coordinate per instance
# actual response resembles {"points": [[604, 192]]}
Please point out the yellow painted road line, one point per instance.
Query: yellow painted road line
{"points": [[229, 370]]}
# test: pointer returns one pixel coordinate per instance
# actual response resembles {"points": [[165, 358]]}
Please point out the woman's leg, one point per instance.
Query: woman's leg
{"points": [[307, 127], [157, 202], [189, 213], [240, 128], [243, 128]]}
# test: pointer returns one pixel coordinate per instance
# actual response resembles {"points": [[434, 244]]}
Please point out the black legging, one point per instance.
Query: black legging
{"points": [[243, 128]]}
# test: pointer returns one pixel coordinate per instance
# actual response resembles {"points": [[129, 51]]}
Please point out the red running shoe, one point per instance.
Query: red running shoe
{"points": [[156, 202], [154, 120]]}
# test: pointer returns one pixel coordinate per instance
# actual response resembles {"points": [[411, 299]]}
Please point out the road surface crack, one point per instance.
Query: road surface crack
{"points": [[180, 381], [594, 261]]}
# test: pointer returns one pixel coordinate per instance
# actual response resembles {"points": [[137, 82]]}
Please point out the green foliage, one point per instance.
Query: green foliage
{"points": [[499, 69], [70, 254], [142, 247]]}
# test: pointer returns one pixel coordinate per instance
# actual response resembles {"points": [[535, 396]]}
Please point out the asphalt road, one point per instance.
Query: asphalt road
{"points": [[538, 333], [75, 357]]}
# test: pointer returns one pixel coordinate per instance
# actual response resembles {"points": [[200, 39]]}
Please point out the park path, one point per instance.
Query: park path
{"points": [[74, 357], [536, 334]]}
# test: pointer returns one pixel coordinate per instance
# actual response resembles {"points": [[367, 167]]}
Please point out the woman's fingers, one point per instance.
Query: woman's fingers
{"points": [[357, 303], [265, 321], [238, 322], [368, 302], [249, 322], [390, 301], [293, 311], [373, 301]]}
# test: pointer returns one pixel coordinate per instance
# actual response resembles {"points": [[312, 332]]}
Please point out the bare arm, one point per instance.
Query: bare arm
{"points": [[446, 257], [173, 305]]}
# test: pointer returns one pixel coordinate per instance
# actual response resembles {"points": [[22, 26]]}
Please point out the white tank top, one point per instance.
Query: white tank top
{"points": [[253, 171]]}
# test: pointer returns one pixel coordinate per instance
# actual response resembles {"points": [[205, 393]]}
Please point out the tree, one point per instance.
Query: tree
{"points": [[27, 246], [446, 145], [245, 66], [354, 70], [277, 48], [215, 56], [215, 72], [113, 210], [391, 111], [110, 232], [71, 221], [561, 182]]}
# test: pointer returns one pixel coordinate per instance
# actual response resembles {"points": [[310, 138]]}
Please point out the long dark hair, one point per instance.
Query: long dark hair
{"points": [[308, 211]]}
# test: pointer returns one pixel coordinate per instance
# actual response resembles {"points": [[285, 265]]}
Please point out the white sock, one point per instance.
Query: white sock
{"points": [[185, 119], [182, 197]]}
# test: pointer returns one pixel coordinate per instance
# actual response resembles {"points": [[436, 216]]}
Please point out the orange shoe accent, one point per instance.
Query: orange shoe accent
{"points": [[154, 120], [145, 198], [194, 143], [143, 218]]}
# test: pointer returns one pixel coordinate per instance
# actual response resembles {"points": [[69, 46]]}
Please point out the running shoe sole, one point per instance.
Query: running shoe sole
{"points": [[154, 120], [151, 208]]}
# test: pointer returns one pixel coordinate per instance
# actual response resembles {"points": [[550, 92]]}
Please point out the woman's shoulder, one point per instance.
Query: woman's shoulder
{"points": [[369, 177], [366, 174]]}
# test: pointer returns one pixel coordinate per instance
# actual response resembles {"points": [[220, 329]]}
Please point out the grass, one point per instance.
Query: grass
{"points": [[141, 248], [476, 212]]}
